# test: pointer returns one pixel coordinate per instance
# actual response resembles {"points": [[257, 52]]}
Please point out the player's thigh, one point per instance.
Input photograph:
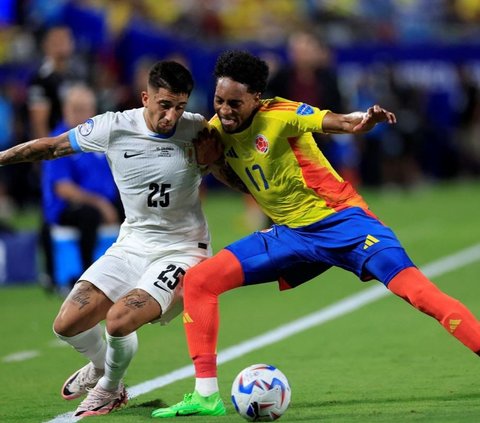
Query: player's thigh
{"points": [[163, 280], [256, 254], [387, 263], [117, 272], [112, 276], [85, 306]]}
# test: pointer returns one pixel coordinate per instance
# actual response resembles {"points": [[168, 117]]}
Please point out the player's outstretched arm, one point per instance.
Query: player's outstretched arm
{"points": [[39, 149], [356, 122]]}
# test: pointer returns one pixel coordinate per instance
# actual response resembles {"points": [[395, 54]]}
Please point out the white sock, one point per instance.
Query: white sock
{"points": [[120, 351], [206, 386], [90, 344]]}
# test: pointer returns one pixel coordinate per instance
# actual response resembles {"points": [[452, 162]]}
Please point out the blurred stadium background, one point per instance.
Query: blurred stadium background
{"points": [[418, 58]]}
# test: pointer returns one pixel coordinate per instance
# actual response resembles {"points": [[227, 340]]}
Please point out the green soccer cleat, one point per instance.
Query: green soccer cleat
{"points": [[194, 405]]}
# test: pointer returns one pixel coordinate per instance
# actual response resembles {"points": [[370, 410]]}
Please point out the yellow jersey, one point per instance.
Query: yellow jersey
{"points": [[278, 160]]}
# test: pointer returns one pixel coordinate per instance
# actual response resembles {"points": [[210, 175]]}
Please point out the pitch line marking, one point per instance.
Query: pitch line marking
{"points": [[28, 355], [340, 308], [20, 356]]}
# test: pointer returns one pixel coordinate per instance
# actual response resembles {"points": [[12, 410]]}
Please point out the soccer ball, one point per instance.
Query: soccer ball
{"points": [[261, 393]]}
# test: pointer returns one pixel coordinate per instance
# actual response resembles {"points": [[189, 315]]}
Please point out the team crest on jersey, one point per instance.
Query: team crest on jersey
{"points": [[86, 128], [261, 143], [304, 110]]}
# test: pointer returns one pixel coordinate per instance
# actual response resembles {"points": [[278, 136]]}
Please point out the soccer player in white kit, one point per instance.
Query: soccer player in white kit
{"points": [[139, 278]]}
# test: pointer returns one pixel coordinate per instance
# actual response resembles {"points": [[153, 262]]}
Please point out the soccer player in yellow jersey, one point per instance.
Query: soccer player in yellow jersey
{"points": [[319, 219]]}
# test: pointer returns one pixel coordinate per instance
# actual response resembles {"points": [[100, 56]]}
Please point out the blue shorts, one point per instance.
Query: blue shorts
{"points": [[350, 239]]}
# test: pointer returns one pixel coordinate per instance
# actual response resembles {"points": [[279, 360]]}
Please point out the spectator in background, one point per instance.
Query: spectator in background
{"points": [[74, 195], [130, 94], [399, 150], [49, 83], [310, 77], [45, 92], [468, 130]]}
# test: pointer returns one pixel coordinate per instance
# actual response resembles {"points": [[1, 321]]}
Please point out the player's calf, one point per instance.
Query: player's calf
{"points": [[414, 287]]}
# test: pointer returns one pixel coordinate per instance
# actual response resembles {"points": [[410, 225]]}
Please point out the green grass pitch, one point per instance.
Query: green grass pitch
{"points": [[384, 362]]}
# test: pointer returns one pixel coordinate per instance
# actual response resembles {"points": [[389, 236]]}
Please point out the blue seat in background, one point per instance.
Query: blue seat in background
{"points": [[67, 261]]}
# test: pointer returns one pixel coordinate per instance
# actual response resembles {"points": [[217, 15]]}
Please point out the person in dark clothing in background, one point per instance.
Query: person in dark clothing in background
{"points": [[78, 190]]}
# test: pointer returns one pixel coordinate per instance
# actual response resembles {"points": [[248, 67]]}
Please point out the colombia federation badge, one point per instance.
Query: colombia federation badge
{"points": [[261, 143]]}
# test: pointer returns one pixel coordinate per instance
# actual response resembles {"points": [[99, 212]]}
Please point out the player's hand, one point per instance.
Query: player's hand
{"points": [[372, 116], [208, 147], [108, 211]]}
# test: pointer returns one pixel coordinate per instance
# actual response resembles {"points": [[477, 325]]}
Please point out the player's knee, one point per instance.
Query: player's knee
{"points": [[59, 327], [65, 327], [414, 287], [199, 284], [420, 296], [195, 282], [214, 276], [120, 321]]}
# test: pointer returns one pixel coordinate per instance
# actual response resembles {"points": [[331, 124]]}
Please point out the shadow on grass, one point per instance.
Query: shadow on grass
{"points": [[157, 403]]}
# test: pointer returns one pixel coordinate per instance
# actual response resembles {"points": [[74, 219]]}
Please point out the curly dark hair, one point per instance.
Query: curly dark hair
{"points": [[172, 76], [243, 67]]}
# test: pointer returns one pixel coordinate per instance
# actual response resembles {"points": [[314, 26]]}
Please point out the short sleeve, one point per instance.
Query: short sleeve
{"points": [[307, 118], [93, 134]]}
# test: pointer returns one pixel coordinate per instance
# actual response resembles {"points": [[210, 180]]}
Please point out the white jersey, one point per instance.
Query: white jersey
{"points": [[157, 174]]}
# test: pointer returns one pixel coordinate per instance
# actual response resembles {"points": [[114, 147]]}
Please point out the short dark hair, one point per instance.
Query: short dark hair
{"points": [[172, 76], [243, 67]]}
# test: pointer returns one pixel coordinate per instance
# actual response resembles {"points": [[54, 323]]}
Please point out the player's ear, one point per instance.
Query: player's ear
{"points": [[144, 98]]}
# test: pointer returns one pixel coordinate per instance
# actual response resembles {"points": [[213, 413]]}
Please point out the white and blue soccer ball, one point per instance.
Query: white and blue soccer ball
{"points": [[261, 393]]}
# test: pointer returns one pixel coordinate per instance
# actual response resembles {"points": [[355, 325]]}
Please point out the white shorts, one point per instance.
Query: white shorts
{"points": [[132, 263]]}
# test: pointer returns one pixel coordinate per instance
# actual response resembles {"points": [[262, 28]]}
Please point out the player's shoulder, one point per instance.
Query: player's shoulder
{"points": [[129, 120], [289, 110], [215, 122], [118, 116], [194, 117], [276, 110], [278, 104], [189, 125], [130, 115], [194, 121]]}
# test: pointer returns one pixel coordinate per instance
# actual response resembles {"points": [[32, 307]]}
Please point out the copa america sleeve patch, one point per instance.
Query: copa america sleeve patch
{"points": [[304, 109], [86, 128]]}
